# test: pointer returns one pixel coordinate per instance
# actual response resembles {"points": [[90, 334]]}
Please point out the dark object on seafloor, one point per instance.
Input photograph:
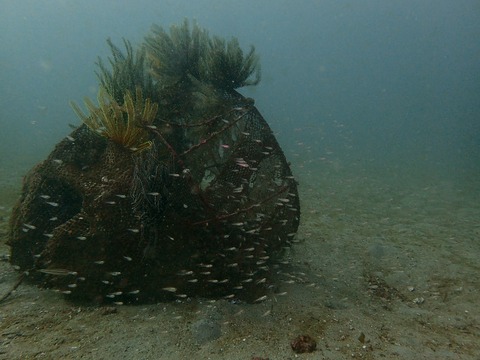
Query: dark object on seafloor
{"points": [[303, 344], [173, 187]]}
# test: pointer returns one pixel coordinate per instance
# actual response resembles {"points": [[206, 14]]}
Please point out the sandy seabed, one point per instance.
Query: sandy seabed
{"points": [[384, 268]]}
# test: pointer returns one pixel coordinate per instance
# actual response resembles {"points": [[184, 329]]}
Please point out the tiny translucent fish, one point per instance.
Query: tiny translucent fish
{"points": [[118, 303], [31, 227], [45, 197], [182, 296], [115, 273], [242, 164], [128, 258], [48, 235], [134, 292], [106, 282], [99, 262], [81, 238], [225, 146], [174, 175], [151, 127], [72, 285], [153, 193], [66, 292], [134, 230], [261, 281], [57, 272], [170, 289], [51, 203], [110, 202], [185, 272], [261, 298], [53, 218], [58, 161], [266, 313], [70, 138], [192, 280], [238, 224], [121, 196]]}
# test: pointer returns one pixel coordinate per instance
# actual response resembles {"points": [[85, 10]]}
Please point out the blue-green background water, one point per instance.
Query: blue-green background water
{"points": [[376, 104], [389, 85]]}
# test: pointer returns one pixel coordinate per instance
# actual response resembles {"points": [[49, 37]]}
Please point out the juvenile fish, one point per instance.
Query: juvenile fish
{"points": [[58, 272]]}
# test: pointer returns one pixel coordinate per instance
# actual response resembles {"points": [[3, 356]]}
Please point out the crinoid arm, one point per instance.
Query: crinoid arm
{"points": [[127, 72], [123, 124], [176, 54], [225, 66]]}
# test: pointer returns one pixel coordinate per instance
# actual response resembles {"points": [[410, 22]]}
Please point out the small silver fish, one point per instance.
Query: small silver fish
{"points": [[170, 289], [261, 298], [57, 272]]}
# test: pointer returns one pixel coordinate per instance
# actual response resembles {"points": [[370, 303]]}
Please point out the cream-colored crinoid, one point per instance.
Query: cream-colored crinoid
{"points": [[123, 124]]}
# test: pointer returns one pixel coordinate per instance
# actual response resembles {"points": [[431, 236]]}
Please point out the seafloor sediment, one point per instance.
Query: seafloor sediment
{"points": [[384, 267]]}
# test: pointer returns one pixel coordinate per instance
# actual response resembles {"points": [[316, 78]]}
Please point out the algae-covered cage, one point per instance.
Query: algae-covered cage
{"points": [[174, 185]]}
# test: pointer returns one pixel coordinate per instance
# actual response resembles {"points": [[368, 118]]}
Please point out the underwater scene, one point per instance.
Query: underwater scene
{"points": [[254, 180]]}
